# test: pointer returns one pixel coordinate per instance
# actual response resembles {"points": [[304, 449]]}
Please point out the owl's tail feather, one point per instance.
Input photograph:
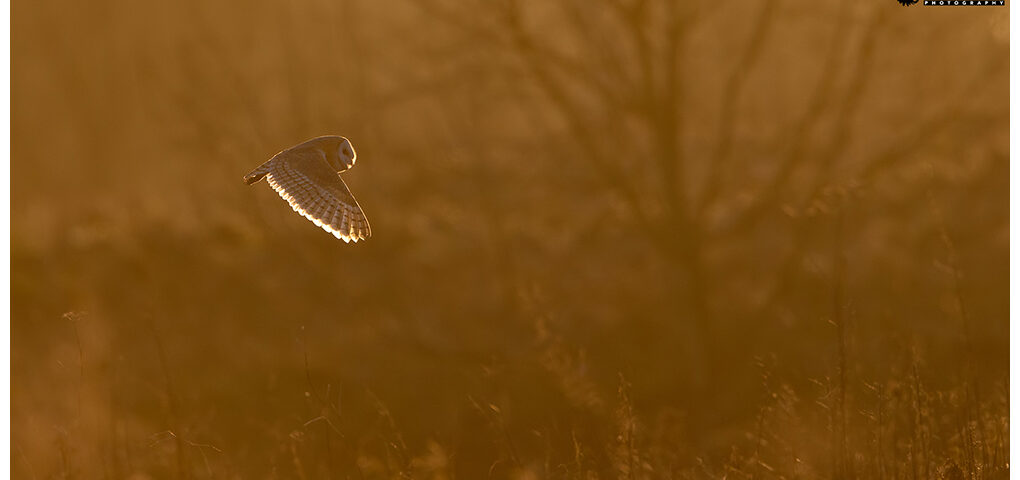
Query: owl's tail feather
{"points": [[256, 175]]}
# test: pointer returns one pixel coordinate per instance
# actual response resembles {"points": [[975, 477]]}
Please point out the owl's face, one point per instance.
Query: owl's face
{"points": [[345, 153], [337, 150]]}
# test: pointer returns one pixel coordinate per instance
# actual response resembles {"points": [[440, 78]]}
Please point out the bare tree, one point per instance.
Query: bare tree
{"points": [[619, 79]]}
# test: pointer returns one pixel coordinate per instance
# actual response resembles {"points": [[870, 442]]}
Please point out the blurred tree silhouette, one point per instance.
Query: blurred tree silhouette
{"points": [[704, 187]]}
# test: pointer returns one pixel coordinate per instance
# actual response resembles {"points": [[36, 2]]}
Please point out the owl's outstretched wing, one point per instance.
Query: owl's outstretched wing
{"points": [[314, 190]]}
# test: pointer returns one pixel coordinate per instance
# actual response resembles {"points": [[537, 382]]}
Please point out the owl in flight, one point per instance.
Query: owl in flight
{"points": [[307, 176]]}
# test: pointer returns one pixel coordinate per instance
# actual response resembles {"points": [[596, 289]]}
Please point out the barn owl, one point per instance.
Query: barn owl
{"points": [[307, 176]]}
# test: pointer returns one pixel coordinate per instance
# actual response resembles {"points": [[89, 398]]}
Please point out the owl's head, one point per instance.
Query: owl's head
{"points": [[337, 150], [345, 153]]}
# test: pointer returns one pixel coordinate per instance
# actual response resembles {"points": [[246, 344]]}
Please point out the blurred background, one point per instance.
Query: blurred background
{"points": [[621, 239]]}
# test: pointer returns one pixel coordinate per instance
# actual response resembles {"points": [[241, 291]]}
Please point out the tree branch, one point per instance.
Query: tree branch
{"points": [[732, 91]]}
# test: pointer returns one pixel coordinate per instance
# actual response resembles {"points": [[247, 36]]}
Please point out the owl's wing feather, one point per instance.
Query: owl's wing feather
{"points": [[314, 190]]}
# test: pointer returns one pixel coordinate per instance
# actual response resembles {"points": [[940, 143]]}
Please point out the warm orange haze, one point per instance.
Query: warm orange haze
{"points": [[623, 239]]}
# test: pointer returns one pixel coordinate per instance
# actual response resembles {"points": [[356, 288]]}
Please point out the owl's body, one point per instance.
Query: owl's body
{"points": [[307, 177]]}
